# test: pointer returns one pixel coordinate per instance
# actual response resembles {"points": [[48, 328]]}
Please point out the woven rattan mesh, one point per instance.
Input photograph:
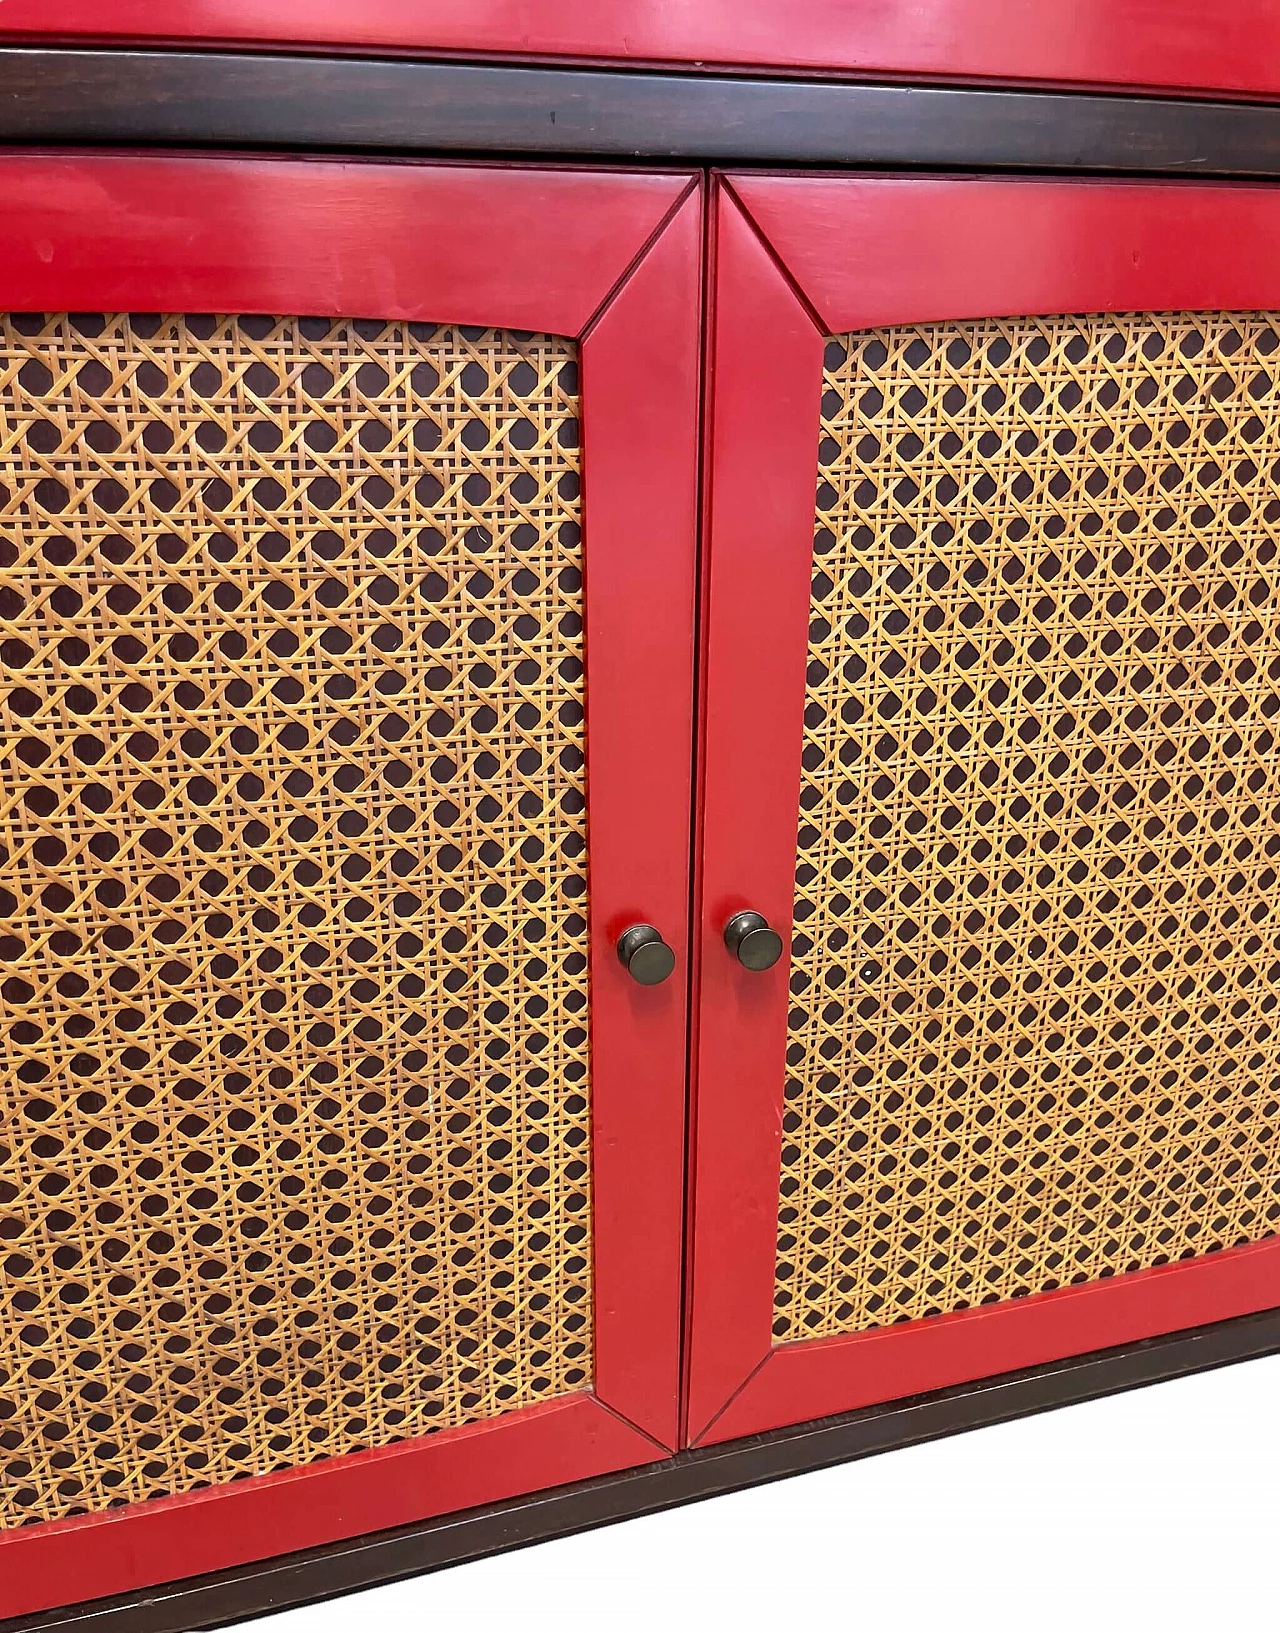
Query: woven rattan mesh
{"points": [[293, 1126], [1034, 1037]]}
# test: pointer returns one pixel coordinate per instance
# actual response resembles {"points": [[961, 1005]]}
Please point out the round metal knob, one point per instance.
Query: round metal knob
{"points": [[645, 955], [751, 941]]}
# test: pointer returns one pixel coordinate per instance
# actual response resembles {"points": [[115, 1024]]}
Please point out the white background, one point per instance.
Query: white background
{"points": [[1157, 1510]]}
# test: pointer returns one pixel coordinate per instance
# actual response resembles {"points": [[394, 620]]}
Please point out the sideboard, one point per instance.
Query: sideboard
{"points": [[641, 665]]}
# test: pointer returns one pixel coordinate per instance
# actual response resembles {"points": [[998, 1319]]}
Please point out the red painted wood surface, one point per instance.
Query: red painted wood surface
{"points": [[1232, 46], [42, 1566], [507, 247], [862, 251], [763, 459], [840, 1374], [640, 438], [874, 250], [526, 248]]}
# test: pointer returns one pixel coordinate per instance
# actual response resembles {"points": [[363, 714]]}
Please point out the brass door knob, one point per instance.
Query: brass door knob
{"points": [[645, 955], [751, 941]]}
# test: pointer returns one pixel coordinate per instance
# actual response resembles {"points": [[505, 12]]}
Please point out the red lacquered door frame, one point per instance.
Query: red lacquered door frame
{"points": [[614, 260], [1207, 45], [797, 259]]}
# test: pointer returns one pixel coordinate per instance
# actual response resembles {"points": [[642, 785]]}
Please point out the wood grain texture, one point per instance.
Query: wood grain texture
{"points": [[247, 100]]}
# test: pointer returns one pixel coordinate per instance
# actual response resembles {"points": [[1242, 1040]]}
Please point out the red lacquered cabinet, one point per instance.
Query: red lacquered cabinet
{"points": [[641, 799]]}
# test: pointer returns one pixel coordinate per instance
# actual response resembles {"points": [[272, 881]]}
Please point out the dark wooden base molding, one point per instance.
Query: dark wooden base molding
{"points": [[389, 1556], [255, 100]]}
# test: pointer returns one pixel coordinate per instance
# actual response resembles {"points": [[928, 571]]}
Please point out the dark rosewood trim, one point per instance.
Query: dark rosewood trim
{"points": [[257, 100], [822, 254], [323, 1573], [1232, 45], [612, 258]]}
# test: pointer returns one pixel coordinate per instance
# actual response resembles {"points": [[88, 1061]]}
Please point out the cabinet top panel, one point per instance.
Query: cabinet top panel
{"points": [[1190, 45]]}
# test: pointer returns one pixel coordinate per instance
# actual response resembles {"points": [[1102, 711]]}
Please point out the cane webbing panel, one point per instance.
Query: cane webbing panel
{"points": [[1034, 1035], [294, 1122]]}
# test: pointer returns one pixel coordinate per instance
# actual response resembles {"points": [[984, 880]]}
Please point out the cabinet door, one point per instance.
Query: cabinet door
{"points": [[346, 720], [992, 689]]}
